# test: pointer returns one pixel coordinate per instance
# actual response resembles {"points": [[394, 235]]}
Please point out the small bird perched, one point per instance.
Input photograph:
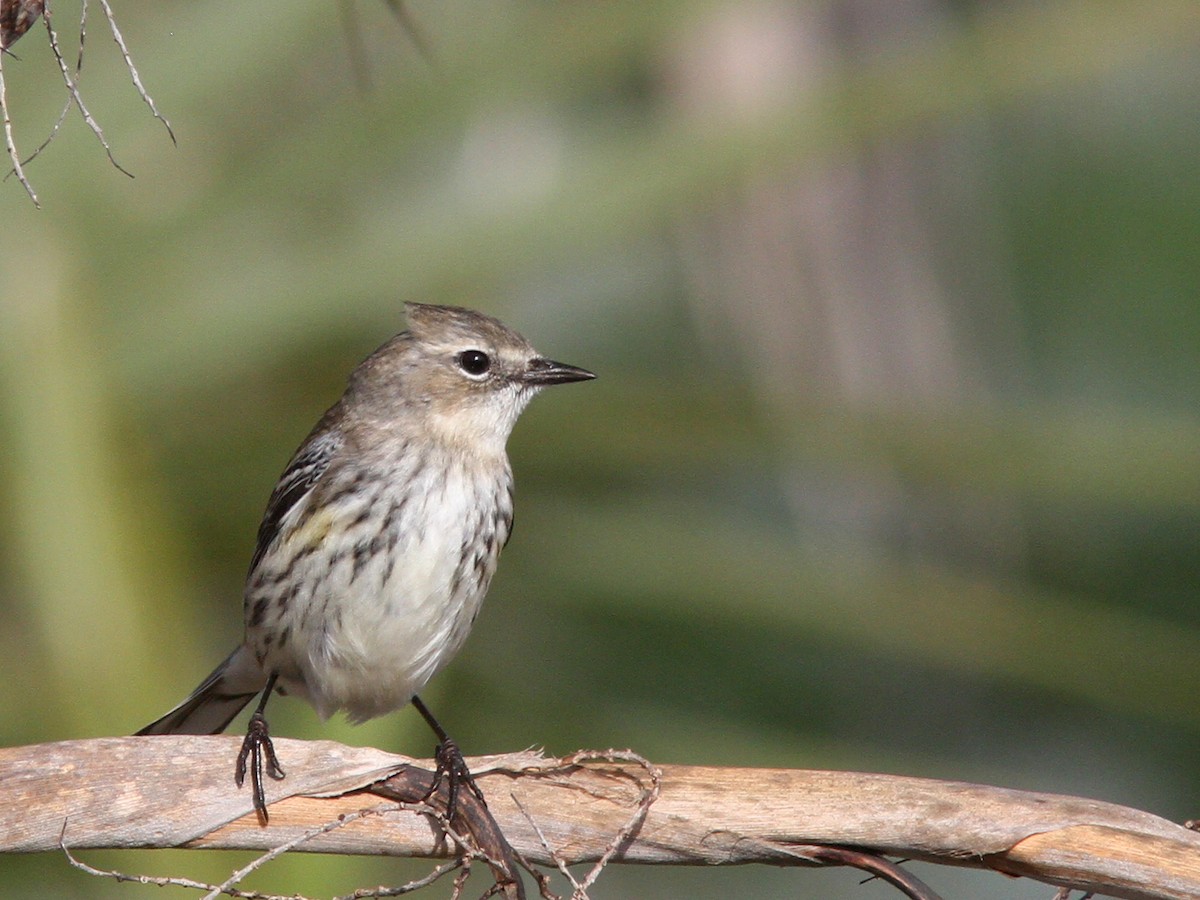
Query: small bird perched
{"points": [[380, 540]]}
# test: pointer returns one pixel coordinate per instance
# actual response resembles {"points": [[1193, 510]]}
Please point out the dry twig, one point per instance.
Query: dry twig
{"points": [[190, 884], [16, 17]]}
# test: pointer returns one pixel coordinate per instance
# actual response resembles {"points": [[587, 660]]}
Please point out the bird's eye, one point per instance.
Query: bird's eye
{"points": [[474, 362]]}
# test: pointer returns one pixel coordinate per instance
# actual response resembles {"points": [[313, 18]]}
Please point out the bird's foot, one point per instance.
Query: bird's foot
{"points": [[258, 749], [451, 768]]}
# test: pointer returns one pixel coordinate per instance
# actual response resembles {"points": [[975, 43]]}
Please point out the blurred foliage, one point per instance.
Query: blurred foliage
{"points": [[727, 551]]}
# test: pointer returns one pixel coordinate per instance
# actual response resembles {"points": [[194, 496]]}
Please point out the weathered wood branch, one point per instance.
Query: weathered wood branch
{"points": [[178, 792]]}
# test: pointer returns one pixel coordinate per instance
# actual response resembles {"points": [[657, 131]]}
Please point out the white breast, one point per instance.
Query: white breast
{"points": [[370, 623]]}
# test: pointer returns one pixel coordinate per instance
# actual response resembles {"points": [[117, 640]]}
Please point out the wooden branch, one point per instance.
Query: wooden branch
{"points": [[178, 792]]}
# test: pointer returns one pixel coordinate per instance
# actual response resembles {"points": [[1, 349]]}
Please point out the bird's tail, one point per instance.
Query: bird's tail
{"points": [[220, 697]]}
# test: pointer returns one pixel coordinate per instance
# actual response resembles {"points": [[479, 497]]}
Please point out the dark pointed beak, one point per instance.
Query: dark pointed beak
{"points": [[541, 372]]}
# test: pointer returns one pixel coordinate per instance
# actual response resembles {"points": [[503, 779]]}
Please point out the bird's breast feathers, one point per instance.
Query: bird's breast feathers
{"points": [[380, 582]]}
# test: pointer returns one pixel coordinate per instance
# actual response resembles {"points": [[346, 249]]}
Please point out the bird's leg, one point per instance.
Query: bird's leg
{"points": [[257, 747], [450, 764]]}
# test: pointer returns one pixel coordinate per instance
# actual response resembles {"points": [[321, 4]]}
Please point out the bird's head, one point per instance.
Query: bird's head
{"points": [[465, 375]]}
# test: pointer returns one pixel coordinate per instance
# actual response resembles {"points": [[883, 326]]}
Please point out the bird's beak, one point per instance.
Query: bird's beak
{"points": [[541, 372]]}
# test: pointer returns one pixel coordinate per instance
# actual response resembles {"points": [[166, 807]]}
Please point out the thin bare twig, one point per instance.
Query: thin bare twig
{"points": [[74, 90], [10, 144], [550, 851], [172, 881], [70, 79], [276, 852], [226, 888], [133, 72], [460, 881], [409, 887], [62, 116]]}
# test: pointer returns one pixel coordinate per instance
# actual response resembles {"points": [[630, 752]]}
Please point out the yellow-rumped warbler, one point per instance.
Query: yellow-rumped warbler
{"points": [[382, 535]]}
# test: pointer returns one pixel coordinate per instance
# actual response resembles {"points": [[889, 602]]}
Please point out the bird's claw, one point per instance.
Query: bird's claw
{"points": [[452, 768], [258, 749]]}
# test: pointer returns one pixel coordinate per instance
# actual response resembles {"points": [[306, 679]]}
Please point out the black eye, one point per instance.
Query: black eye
{"points": [[474, 362]]}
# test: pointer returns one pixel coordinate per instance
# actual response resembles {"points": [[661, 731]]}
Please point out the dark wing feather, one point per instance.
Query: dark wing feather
{"points": [[305, 469]]}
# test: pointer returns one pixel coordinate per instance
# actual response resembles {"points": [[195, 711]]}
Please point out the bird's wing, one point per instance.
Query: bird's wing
{"points": [[305, 469]]}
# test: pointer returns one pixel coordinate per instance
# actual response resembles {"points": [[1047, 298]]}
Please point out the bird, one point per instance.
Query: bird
{"points": [[380, 538]]}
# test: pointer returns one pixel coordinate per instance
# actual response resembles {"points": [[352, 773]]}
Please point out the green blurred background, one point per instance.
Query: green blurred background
{"points": [[892, 463]]}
